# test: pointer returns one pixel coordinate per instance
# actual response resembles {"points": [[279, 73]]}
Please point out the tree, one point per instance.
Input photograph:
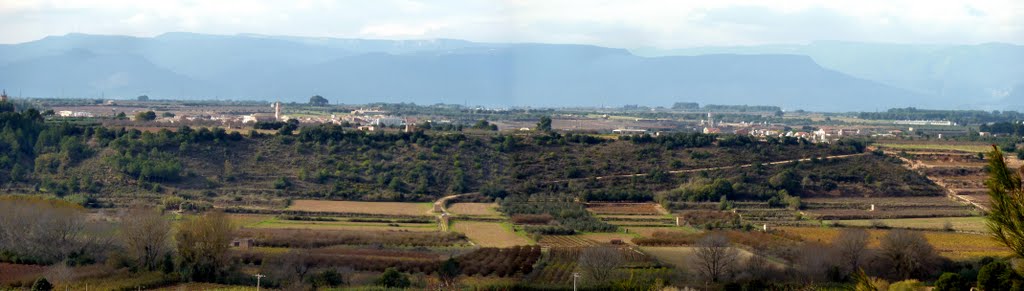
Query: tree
{"points": [[203, 244], [145, 116], [952, 282], [229, 171], [449, 271], [327, 278], [786, 180], [544, 124], [146, 236], [392, 278], [282, 183], [318, 100], [1005, 219], [295, 264], [42, 285], [907, 254], [851, 246], [600, 262], [143, 98], [715, 257], [998, 275]]}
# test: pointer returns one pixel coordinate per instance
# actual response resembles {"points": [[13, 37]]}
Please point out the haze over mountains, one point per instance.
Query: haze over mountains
{"points": [[827, 76]]}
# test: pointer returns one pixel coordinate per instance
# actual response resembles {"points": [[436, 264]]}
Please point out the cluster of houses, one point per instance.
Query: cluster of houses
{"points": [[69, 113]]}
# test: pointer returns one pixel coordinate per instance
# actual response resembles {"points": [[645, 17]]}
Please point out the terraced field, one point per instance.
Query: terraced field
{"points": [[474, 209], [956, 246], [343, 225], [565, 241], [885, 208], [975, 224], [625, 208], [381, 208], [490, 234]]}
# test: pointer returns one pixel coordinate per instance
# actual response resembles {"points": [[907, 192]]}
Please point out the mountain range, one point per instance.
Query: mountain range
{"points": [[823, 76]]}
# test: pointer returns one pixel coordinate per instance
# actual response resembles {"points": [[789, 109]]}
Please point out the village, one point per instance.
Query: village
{"points": [[798, 125]]}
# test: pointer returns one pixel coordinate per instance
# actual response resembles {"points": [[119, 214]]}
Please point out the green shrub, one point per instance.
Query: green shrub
{"points": [[282, 183], [952, 282], [393, 278]]}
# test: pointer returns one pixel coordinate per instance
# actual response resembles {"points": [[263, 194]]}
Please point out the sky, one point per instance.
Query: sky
{"points": [[624, 24]]}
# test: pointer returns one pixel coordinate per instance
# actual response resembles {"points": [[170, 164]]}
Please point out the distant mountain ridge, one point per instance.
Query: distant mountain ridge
{"points": [[199, 66], [953, 74]]}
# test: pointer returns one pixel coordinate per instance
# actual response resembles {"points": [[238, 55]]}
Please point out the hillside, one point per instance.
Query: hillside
{"points": [[116, 166]]}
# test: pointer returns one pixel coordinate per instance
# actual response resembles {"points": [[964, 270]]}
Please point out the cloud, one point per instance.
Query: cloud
{"points": [[661, 23]]}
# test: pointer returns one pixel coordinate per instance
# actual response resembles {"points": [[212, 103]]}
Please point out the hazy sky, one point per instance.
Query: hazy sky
{"points": [[628, 23]]}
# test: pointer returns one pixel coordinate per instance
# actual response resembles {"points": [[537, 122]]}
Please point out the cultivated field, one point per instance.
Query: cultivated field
{"points": [[956, 246], [344, 225], [964, 147], [885, 208], [490, 234], [477, 209], [964, 224], [624, 208], [565, 241], [679, 256], [382, 208]]}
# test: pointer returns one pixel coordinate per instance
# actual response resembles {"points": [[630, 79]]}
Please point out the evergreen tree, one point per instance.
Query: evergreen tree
{"points": [[1006, 217]]}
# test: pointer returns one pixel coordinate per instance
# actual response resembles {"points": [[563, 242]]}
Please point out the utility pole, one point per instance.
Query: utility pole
{"points": [[258, 277], [575, 275]]}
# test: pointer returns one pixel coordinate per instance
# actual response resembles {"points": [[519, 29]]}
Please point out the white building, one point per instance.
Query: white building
{"points": [[388, 121]]}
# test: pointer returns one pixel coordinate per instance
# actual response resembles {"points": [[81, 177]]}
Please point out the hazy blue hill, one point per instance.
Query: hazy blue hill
{"points": [[957, 75], [82, 73], [517, 76], [426, 71]]}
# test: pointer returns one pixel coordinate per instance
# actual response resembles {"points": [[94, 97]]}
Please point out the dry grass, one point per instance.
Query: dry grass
{"points": [[469, 208], [10, 273], [384, 208], [490, 234], [953, 245]]}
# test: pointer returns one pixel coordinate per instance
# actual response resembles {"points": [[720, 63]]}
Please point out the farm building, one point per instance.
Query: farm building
{"points": [[243, 243], [629, 131]]}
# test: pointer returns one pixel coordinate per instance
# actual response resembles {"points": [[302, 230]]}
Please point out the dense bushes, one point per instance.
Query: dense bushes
{"points": [[699, 190], [151, 166], [44, 231], [618, 195], [569, 215], [675, 140], [499, 262]]}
